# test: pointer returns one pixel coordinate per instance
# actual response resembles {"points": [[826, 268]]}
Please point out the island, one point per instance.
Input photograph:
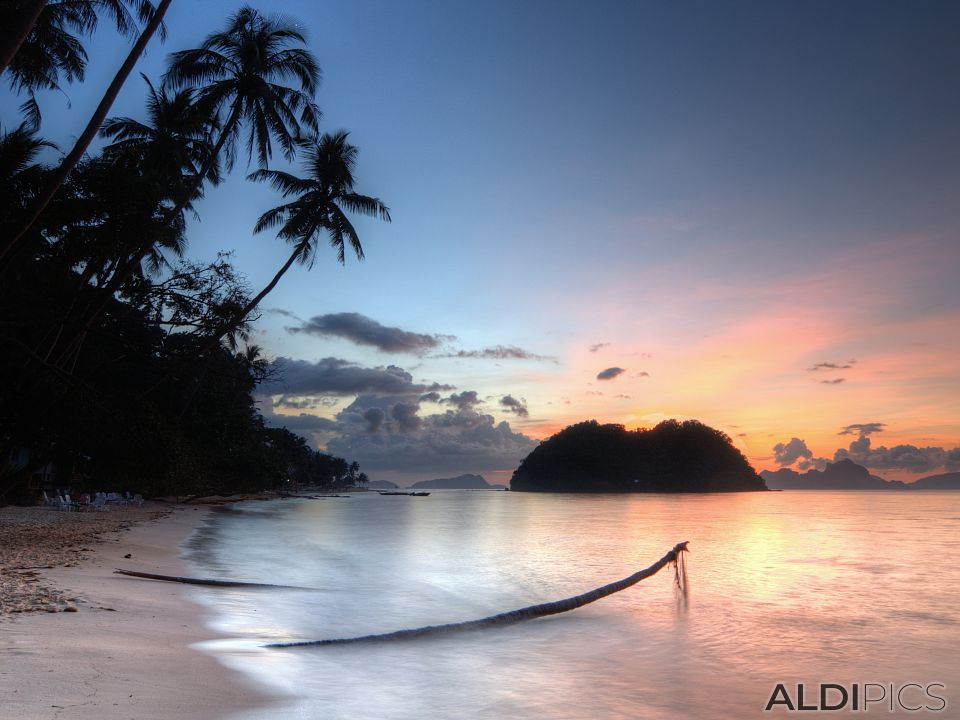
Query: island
{"points": [[672, 457], [848, 475], [460, 482]]}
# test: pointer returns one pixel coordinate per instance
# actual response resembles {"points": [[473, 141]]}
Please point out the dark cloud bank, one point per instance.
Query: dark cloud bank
{"points": [[385, 427], [862, 451]]}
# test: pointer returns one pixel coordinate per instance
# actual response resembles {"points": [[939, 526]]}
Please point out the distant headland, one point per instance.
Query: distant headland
{"points": [[848, 475], [460, 482], [673, 457]]}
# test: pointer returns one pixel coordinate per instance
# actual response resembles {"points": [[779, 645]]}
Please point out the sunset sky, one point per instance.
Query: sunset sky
{"points": [[745, 212]]}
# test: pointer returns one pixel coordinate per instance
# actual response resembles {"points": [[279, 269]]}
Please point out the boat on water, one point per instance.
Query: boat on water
{"points": [[400, 492]]}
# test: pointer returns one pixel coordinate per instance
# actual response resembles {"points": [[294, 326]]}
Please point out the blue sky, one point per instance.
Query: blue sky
{"points": [[726, 193]]}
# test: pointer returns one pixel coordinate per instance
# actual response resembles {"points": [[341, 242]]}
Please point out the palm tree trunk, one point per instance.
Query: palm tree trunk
{"points": [[674, 556], [17, 32], [249, 307], [58, 176]]}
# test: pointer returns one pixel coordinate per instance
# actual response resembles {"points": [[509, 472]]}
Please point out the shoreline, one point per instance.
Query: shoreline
{"points": [[125, 651]]}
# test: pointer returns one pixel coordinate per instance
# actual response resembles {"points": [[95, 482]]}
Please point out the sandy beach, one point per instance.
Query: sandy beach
{"points": [[78, 641]]}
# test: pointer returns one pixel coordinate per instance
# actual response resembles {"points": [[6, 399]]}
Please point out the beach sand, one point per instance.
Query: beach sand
{"points": [[122, 647]]}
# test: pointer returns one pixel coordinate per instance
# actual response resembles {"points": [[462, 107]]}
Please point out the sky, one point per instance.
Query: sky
{"points": [[744, 212]]}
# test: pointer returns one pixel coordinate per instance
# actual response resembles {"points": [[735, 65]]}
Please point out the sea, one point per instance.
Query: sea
{"points": [[797, 589]]}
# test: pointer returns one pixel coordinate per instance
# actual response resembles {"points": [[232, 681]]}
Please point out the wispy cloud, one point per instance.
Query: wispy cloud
{"points": [[831, 366], [497, 352]]}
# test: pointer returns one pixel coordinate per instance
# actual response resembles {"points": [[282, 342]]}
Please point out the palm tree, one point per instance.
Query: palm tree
{"points": [[59, 175], [20, 176], [40, 44], [18, 20], [320, 209], [239, 72], [170, 146]]}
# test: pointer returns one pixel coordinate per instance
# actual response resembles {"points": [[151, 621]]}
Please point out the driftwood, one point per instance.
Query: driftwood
{"points": [[675, 556], [203, 581]]}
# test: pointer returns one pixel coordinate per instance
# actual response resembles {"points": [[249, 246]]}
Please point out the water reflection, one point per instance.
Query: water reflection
{"points": [[835, 587]]}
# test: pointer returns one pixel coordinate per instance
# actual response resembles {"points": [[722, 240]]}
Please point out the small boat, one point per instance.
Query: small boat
{"points": [[396, 492]]}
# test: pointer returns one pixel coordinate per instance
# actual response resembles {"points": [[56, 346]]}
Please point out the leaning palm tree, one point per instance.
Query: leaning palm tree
{"points": [[21, 18], [323, 199], [59, 175], [42, 41]]}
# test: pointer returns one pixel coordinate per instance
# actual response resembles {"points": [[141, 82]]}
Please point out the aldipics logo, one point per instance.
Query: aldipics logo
{"points": [[859, 697]]}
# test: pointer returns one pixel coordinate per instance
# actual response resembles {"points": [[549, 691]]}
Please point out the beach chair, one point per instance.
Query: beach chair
{"points": [[99, 502], [62, 503]]}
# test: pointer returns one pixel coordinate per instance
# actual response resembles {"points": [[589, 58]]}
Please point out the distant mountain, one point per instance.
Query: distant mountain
{"points": [[382, 485], [673, 457], [843, 475], [946, 481], [460, 482]]}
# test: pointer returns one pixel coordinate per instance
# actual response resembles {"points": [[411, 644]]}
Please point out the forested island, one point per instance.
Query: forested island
{"points": [[671, 457]]}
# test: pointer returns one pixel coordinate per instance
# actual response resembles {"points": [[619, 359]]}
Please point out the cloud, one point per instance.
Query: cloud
{"points": [[463, 401], [831, 366], [795, 451], [336, 377], [283, 313], [518, 407], [863, 429], [384, 427], [610, 373], [406, 416], [621, 396], [641, 374], [374, 417], [899, 457], [598, 346], [788, 453], [835, 381], [301, 403], [303, 423], [361, 330], [497, 352], [452, 442]]}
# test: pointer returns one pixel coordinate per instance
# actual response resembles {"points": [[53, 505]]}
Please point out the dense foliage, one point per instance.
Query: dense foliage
{"points": [[125, 365], [671, 457]]}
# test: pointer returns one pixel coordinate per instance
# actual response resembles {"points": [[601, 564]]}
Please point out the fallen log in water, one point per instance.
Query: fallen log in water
{"points": [[204, 581], [675, 556]]}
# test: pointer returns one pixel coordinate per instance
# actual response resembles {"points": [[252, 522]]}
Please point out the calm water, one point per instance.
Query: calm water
{"points": [[784, 586]]}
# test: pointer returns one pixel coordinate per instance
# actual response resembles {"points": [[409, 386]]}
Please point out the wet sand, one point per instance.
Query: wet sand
{"points": [[78, 641]]}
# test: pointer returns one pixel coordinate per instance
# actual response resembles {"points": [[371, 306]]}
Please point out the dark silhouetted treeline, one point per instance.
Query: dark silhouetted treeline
{"points": [[125, 364]]}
